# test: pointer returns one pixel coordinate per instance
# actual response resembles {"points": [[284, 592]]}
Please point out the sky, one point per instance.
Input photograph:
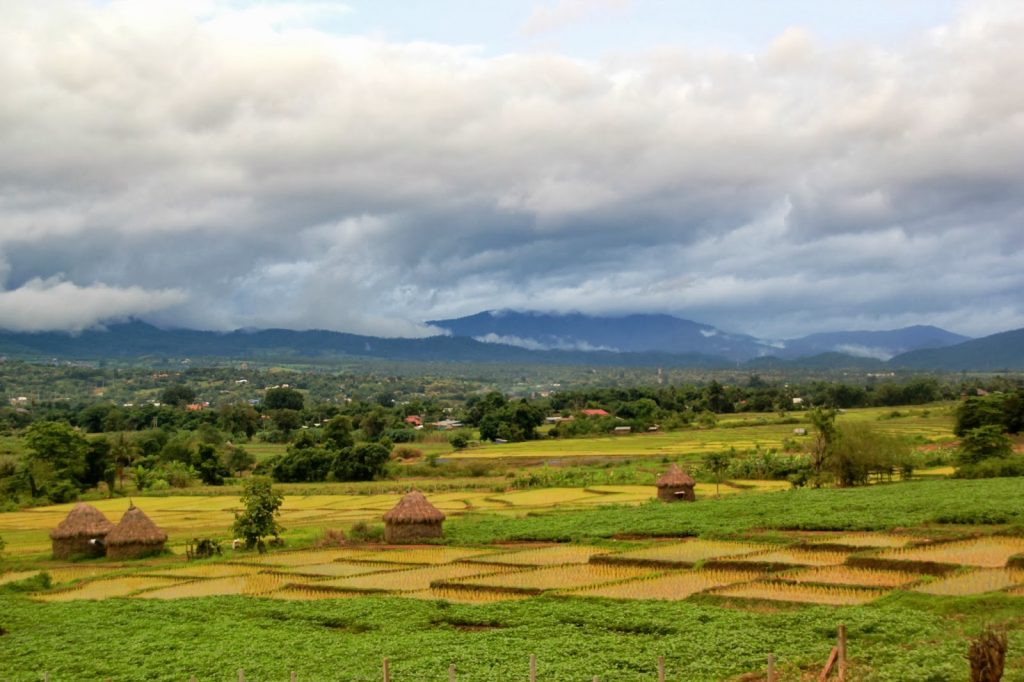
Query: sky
{"points": [[775, 168]]}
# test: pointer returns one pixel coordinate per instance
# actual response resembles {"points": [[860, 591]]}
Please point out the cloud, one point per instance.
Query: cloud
{"points": [[267, 172], [555, 343], [563, 13], [52, 305]]}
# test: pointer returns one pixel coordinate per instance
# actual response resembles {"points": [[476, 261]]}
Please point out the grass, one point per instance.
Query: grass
{"points": [[904, 637]]}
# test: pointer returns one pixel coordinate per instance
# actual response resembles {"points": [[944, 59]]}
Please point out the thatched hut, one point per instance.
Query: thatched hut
{"points": [[81, 533], [412, 519], [675, 484], [135, 536]]}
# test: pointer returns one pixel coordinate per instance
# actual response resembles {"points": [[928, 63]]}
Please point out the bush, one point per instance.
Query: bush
{"points": [[362, 531], [406, 452], [984, 442], [994, 467]]}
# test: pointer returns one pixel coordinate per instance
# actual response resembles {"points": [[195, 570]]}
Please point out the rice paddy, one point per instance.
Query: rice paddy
{"points": [[974, 582], [557, 577], [796, 557], [254, 584], [689, 552], [543, 556], [772, 590], [989, 552], [108, 588], [849, 575], [673, 586], [412, 580], [869, 540]]}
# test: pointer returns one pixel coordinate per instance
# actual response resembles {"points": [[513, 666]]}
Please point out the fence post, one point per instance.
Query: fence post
{"points": [[387, 673], [451, 673], [771, 667], [841, 645], [292, 677], [661, 669], [191, 678], [241, 675], [46, 677], [533, 668]]}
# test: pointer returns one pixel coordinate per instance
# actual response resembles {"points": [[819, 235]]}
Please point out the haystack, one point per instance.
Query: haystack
{"points": [[81, 533], [412, 519], [675, 484], [135, 536]]}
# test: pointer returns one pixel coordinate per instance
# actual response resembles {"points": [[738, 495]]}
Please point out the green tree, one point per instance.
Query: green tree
{"points": [[178, 395], [258, 519], [239, 419], [717, 463], [283, 399], [858, 450], [338, 433], [123, 451], [364, 462], [55, 458], [984, 442], [824, 422]]}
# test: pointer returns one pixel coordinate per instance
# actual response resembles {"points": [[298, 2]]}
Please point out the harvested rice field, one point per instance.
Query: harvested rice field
{"points": [[688, 552], [773, 590], [675, 585], [108, 588], [849, 575], [543, 556], [990, 552], [974, 582], [413, 579], [557, 577]]}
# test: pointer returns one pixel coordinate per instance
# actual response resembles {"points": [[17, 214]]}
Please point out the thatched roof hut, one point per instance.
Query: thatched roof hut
{"points": [[135, 536], [81, 533], [412, 519], [675, 484]]}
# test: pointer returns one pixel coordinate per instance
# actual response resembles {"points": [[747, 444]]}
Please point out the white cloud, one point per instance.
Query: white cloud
{"points": [[281, 175], [52, 304], [564, 13]]}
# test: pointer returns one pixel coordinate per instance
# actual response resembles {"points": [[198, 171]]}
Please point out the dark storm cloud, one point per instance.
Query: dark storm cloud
{"points": [[220, 173]]}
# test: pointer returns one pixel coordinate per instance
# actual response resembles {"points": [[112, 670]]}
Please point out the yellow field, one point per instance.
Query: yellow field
{"points": [[974, 582], [812, 594], [543, 556], [797, 557], [559, 577], [414, 579], [991, 552], [849, 575], [691, 551], [673, 586]]}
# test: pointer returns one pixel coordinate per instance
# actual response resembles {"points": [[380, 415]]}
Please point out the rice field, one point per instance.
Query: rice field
{"points": [[219, 570], [108, 588], [849, 575], [340, 569], [424, 555], [869, 540], [796, 557], [989, 552], [458, 596], [772, 590], [413, 579], [974, 582], [557, 577], [689, 552], [253, 584], [543, 556], [675, 585]]}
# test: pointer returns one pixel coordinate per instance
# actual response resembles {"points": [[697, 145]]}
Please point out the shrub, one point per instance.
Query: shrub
{"points": [[984, 442], [361, 531], [406, 452]]}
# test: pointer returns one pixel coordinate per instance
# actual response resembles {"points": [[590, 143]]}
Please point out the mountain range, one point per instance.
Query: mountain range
{"points": [[538, 338]]}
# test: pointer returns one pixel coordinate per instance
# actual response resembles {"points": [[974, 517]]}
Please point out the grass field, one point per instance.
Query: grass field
{"points": [[932, 424]]}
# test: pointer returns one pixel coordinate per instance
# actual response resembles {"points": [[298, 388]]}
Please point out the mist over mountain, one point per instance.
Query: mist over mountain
{"points": [[882, 345]]}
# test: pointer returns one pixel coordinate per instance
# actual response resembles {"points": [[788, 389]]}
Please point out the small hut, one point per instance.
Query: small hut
{"points": [[675, 484], [412, 519], [81, 533], [135, 536]]}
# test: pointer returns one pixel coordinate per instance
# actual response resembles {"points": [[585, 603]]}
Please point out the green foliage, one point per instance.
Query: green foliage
{"points": [[304, 464], [984, 442], [35, 583], [512, 422], [283, 399], [262, 505], [1005, 410], [459, 441], [718, 463], [178, 395], [824, 422], [338, 433], [362, 462], [858, 450], [55, 464], [362, 531]]}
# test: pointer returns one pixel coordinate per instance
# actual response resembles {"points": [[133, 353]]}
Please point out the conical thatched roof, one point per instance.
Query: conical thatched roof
{"points": [[674, 477], [135, 528], [414, 508], [84, 520]]}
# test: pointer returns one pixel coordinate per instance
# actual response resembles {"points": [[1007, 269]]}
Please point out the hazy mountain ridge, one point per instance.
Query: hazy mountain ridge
{"points": [[135, 339]]}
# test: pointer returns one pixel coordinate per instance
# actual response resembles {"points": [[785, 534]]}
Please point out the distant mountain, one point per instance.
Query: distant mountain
{"points": [[995, 353], [626, 334], [881, 345], [138, 340]]}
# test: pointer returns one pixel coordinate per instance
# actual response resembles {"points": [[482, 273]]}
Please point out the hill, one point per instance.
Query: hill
{"points": [[996, 353]]}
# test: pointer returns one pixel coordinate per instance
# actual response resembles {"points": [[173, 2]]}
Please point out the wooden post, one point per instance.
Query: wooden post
{"points": [[533, 668], [828, 664], [191, 678], [46, 677], [292, 677], [387, 674], [771, 667], [451, 673], [661, 669], [241, 675], [841, 653]]}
